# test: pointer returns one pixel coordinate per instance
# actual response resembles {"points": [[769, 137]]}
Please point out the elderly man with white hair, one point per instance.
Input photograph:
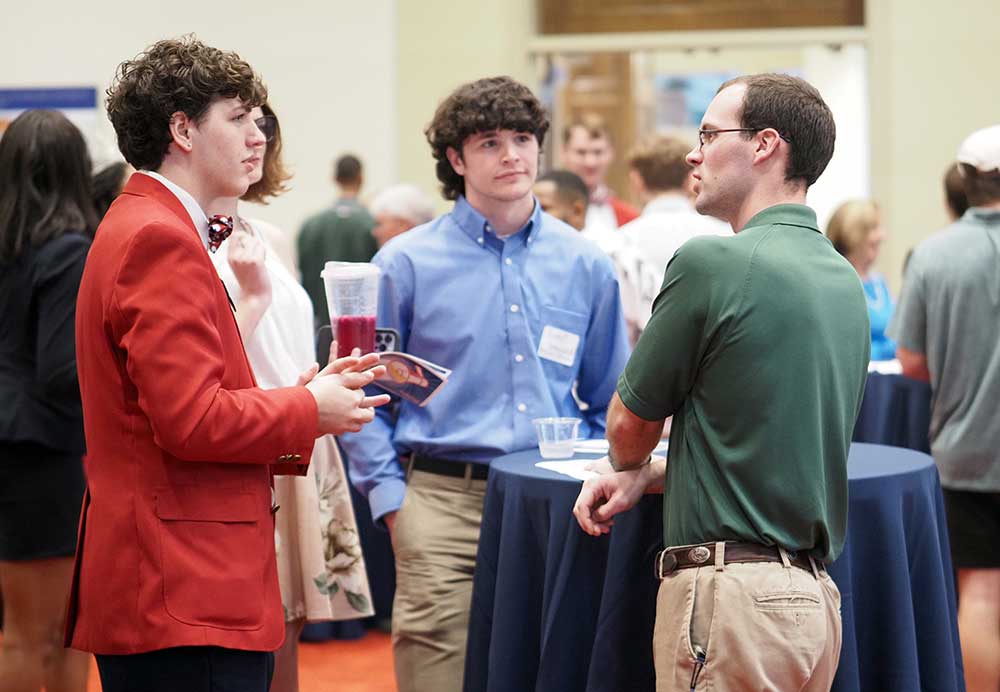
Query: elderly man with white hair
{"points": [[397, 209]]}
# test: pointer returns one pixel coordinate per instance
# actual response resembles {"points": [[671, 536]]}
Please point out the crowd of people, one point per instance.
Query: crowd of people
{"points": [[159, 360]]}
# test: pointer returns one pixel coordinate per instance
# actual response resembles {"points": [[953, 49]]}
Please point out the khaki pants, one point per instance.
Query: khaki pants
{"points": [[435, 541], [762, 626]]}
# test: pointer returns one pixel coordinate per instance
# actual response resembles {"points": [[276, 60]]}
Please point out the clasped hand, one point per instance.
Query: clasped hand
{"points": [[338, 390], [611, 493]]}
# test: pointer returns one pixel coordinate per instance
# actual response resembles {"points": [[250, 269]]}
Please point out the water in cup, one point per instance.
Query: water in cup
{"points": [[556, 436], [352, 296]]}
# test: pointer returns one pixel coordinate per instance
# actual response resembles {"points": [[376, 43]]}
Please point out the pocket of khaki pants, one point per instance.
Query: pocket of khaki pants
{"points": [[702, 612]]}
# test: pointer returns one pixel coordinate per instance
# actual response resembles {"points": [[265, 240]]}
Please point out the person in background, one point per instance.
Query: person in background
{"points": [[755, 489], [397, 209], [525, 313], [948, 330], [661, 180], [855, 229], [564, 195], [320, 568], [588, 151], [107, 184], [47, 220], [341, 233]]}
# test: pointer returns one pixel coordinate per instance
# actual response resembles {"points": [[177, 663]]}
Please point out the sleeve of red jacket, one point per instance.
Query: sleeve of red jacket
{"points": [[163, 314]]}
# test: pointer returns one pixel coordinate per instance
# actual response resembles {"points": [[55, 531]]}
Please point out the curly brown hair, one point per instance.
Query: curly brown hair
{"points": [[174, 75], [493, 103], [275, 175]]}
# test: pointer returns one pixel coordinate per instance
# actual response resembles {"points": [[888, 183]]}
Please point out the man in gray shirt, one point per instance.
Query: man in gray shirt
{"points": [[948, 329]]}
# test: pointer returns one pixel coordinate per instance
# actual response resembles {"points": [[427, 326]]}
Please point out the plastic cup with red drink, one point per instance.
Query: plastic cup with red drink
{"points": [[352, 297]]}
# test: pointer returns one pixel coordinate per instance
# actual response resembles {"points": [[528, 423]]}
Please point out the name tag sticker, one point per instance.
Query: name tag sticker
{"points": [[558, 345]]}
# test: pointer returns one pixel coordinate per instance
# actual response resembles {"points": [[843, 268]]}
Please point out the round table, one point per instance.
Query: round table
{"points": [[554, 609]]}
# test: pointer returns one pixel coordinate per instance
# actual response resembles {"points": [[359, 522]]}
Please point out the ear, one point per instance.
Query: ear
{"points": [[455, 159], [768, 143], [180, 130]]}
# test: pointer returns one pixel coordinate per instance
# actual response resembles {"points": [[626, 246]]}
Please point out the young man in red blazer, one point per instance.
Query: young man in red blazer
{"points": [[175, 585]]}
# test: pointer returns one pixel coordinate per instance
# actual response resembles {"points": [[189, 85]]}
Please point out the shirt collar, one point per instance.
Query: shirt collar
{"points": [[475, 225], [786, 215], [668, 202], [198, 217]]}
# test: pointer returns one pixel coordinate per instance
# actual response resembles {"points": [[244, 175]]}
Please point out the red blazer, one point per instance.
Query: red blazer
{"points": [[624, 212], [176, 543]]}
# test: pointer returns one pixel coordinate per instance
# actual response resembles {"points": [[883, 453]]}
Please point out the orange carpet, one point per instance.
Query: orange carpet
{"points": [[362, 665]]}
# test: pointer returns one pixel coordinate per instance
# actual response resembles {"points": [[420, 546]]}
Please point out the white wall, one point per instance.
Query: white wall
{"points": [[330, 68]]}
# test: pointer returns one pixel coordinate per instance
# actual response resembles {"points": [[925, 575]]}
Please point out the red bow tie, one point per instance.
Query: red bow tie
{"points": [[219, 228]]}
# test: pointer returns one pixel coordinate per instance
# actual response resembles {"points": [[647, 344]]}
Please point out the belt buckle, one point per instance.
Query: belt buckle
{"points": [[699, 554]]}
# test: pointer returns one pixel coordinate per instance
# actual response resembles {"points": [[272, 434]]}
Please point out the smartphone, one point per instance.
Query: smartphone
{"points": [[386, 339]]}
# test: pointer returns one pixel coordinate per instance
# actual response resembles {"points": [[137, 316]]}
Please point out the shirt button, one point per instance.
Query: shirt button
{"points": [[508, 261], [480, 240], [514, 308], [522, 408], [519, 358]]}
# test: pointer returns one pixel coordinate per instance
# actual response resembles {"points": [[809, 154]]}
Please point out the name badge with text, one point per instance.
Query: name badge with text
{"points": [[558, 345]]}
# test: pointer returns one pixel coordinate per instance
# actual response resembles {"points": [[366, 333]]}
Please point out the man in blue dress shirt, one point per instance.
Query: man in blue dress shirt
{"points": [[526, 314]]}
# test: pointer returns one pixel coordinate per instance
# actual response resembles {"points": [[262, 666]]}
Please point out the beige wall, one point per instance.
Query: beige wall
{"points": [[442, 44], [329, 65], [933, 80]]}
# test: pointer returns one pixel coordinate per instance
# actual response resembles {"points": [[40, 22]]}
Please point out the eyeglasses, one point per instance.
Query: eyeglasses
{"points": [[267, 125], [706, 136]]}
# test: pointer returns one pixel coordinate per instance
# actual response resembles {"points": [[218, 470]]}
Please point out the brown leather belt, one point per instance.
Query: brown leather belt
{"points": [[672, 559]]}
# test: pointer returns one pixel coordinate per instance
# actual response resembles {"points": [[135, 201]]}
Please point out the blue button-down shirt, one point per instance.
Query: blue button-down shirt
{"points": [[474, 303]]}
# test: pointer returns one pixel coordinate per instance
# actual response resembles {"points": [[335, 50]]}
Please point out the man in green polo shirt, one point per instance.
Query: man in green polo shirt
{"points": [[758, 346]]}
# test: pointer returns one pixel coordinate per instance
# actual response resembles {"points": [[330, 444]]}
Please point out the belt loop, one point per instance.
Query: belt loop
{"points": [[720, 555], [784, 558], [815, 568], [468, 477], [658, 566], [409, 466]]}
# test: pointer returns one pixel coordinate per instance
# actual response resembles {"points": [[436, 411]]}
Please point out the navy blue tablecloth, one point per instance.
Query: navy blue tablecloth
{"points": [[895, 411], [555, 610]]}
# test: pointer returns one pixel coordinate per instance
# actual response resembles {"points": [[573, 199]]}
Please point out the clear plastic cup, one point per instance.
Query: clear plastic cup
{"points": [[556, 436], [352, 297]]}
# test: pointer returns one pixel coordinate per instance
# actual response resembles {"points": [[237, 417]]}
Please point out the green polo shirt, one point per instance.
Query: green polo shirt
{"points": [[758, 346]]}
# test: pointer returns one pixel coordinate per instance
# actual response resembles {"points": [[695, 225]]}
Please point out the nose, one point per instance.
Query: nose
{"points": [[509, 152], [257, 137], [693, 157]]}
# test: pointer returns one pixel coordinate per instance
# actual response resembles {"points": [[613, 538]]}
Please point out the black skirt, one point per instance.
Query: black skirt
{"points": [[41, 491], [973, 527]]}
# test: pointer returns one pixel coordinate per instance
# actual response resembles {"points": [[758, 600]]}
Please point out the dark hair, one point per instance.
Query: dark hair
{"points": [[275, 175], [954, 191], [493, 103], [174, 75], [347, 170], [44, 182], [106, 185], [569, 186], [980, 188], [794, 108], [661, 162], [593, 124]]}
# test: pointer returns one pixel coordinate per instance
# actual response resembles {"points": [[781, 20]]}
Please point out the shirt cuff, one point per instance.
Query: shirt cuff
{"points": [[386, 497]]}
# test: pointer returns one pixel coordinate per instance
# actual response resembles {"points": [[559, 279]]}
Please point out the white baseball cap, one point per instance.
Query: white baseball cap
{"points": [[981, 150]]}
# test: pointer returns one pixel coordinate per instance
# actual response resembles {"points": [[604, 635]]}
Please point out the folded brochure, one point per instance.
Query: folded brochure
{"points": [[414, 379]]}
